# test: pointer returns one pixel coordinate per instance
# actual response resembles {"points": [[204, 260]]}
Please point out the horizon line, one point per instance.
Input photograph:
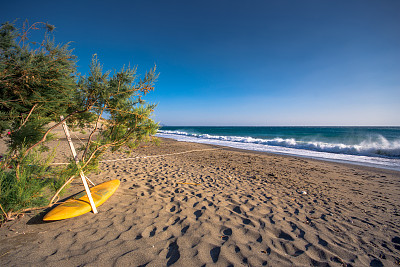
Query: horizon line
{"points": [[164, 125]]}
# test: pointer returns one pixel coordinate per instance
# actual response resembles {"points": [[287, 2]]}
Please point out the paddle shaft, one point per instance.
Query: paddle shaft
{"points": [[71, 145]]}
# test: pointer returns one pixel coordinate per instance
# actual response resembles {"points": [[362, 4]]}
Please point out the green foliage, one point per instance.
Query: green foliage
{"points": [[120, 95], [31, 189], [18, 194], [38, 84]]}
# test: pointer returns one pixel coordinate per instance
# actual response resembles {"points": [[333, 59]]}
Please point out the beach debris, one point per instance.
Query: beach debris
{"points": [[5, 253], [188, 183], [303, 192]]}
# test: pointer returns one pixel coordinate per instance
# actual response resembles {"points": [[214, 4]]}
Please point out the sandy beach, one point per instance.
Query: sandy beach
{"points": [[187, 204]]}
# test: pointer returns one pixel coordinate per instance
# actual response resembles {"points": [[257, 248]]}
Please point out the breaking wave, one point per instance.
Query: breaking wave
{"points": [[378, 147]]}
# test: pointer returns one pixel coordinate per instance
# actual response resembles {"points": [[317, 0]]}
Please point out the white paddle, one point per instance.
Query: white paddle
{"points": [[71, 145]]}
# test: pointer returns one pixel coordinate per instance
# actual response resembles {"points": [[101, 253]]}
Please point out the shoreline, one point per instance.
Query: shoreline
{"points": [[338, 161], [348, 164], [190, 204]]}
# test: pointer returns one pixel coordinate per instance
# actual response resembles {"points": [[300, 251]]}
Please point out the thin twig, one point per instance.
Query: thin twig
{"points": [[61, 188], [105, 146], [92, 133], [30, 209], [45, 135], [4, 212], [27, 117], [123, 111]]}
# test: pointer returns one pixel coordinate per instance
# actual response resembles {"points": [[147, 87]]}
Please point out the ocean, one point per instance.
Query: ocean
{"points": [[368, 146]]}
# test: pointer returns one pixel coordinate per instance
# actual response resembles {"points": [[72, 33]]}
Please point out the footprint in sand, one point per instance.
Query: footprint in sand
{"points": [[198, 214], [173, 253], [227, 233], [396, 241], [376, 263], [134, 186], [153, 232], [247, 221], [184, 229], [237, 210], [214, 253], [285, 236]]}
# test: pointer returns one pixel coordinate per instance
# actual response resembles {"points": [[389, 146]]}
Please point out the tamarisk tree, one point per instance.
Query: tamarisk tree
{"points": [[119, 96], [38, 84]]}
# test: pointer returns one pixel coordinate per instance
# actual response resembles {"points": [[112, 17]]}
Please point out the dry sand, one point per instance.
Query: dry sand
{"points": [[214, 206]]}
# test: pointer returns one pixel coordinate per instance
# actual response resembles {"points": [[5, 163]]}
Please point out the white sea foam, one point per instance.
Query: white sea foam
{"points": [[380, 152]]}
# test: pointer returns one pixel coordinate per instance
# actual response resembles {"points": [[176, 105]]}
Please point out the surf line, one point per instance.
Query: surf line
{"points": [[145, 157]]}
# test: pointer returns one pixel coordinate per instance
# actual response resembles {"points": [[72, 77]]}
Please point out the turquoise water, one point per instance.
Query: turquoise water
{"points": [[363, 145]]}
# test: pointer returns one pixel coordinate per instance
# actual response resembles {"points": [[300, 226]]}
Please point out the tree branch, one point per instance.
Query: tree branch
{"points": [[61, 188], [45, 135], [91, 134], [27, 117], [4, 212], [105, 146]]}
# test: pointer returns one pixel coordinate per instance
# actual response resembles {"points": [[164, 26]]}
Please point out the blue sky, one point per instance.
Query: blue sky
{"points": [[243, 62]]}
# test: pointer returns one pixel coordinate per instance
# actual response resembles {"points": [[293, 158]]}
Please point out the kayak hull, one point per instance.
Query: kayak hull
{"points": [[79, 204]]}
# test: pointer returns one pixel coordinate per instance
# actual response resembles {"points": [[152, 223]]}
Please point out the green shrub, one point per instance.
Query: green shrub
{"points": [[36, 183]]}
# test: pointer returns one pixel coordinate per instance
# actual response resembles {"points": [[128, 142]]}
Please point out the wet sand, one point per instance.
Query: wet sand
{"points": [[187, 204]]}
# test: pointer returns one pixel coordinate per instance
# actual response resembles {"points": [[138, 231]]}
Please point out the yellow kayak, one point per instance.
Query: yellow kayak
{"points": [[79, 204]]}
